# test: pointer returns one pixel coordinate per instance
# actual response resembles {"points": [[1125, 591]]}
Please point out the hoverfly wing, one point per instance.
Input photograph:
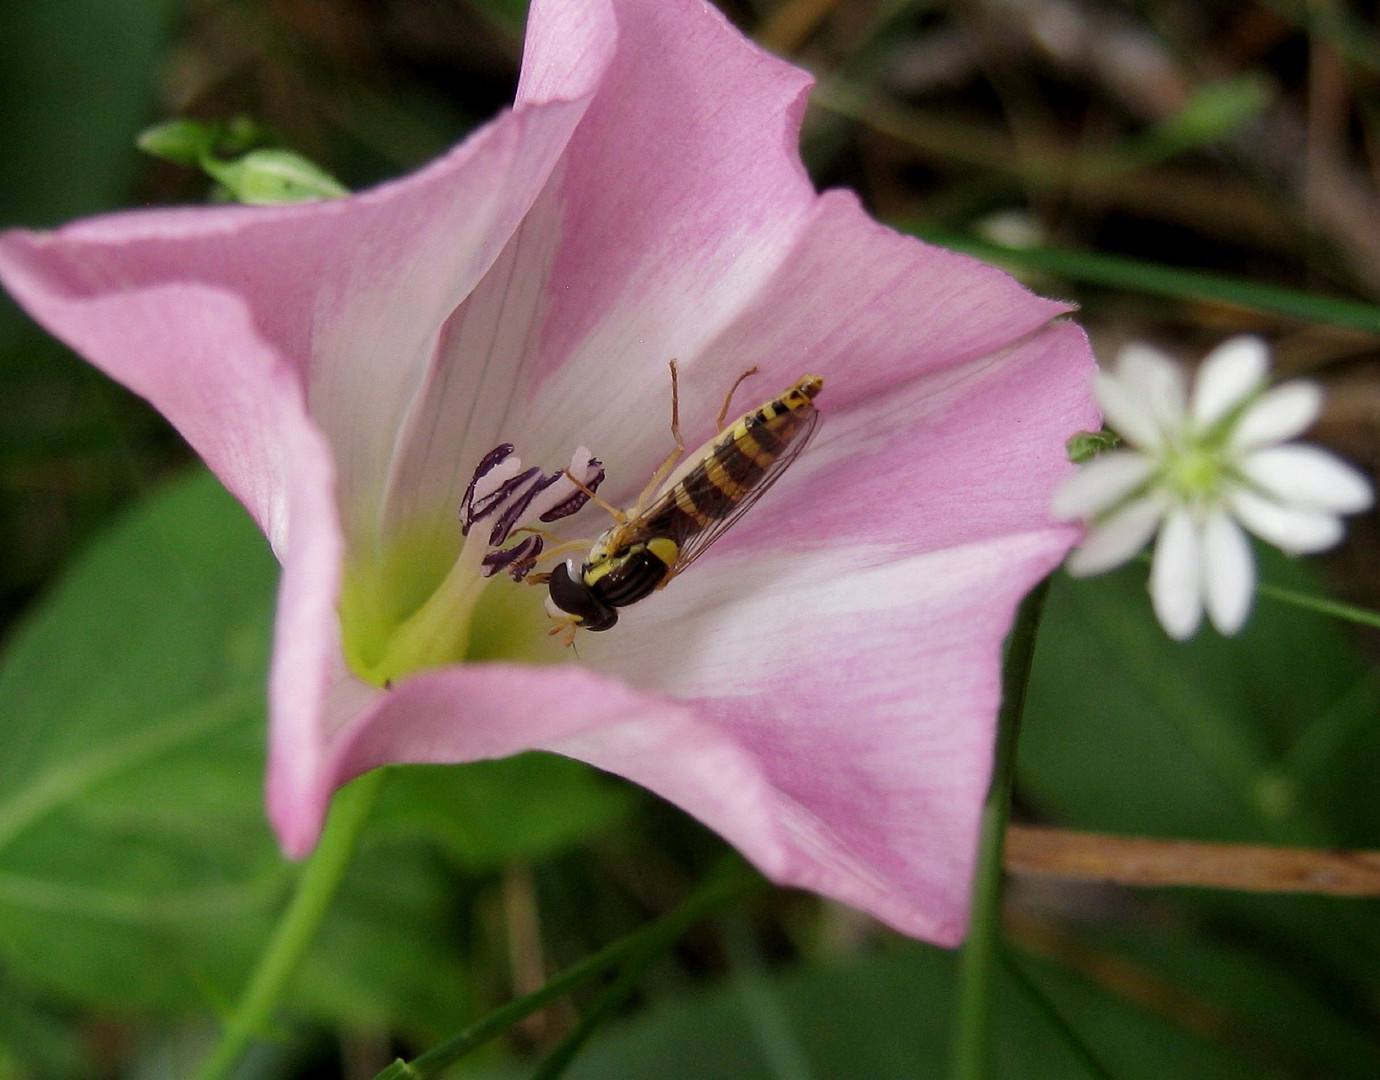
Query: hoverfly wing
{"points": [[703, 491]]}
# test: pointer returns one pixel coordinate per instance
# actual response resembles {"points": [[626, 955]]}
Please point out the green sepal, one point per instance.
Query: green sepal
{"points": [[1086, 445]]}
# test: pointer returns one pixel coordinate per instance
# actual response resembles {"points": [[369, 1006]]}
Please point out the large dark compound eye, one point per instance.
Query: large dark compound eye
{"points": [[574, 598]]}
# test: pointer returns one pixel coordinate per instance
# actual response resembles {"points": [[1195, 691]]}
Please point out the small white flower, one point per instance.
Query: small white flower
{"points": [[1198, 469]]}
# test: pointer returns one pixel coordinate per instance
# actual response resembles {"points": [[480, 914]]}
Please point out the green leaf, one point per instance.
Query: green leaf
{"points": [[182, 142], [1128, 731], [884, 1015], [494, 812], [510, 13], [1265, 737], [1277, 1000], [78, 79], [391, 952], [1214, 112], [41, 1038], [1157, 279], [135, 865], [187, 142], [1085, 445], [227, 152]]}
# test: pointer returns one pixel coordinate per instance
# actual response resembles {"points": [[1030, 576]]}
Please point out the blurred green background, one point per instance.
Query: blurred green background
{"points": [[1183, 170]]}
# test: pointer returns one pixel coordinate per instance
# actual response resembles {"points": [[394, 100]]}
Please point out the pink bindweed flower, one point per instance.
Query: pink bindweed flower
{"points": [[821, 686]]}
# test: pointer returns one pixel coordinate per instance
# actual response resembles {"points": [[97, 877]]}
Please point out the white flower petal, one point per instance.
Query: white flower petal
{"points": [[1278, 414], [1228, 573], [1157, 384], [1125, 412], [1289, 528], [1176, 576], [1111, 542], [1229, 375], [1101, 484], [1309, 477]]}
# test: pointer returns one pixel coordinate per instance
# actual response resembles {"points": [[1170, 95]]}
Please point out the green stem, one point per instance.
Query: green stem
{"points": [[981, 955], [316, 888], [639, 948], [1320, 604], [1138, 275], [637, 965]]}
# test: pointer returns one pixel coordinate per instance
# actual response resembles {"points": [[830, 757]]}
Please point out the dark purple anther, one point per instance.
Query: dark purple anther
{"points": [[501, 494], [579, 498], [486, 465], [513, 512], [517, 560]]}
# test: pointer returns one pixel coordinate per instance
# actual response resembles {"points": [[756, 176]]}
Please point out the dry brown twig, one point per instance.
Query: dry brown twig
{"points": [[1143, 861]]}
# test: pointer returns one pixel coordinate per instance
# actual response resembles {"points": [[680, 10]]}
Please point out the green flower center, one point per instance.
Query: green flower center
{"points": [[400, 616], [436, 594], [1194, 473]]}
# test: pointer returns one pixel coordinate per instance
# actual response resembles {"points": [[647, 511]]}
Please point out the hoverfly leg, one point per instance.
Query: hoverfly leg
{"points": [[548, 537], [664, 469], [618, 515], [566, 626], [559, 547], [728, 398], [564, 548]]}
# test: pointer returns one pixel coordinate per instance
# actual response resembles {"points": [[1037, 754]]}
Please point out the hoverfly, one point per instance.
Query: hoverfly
{"points": [[678, 515]]}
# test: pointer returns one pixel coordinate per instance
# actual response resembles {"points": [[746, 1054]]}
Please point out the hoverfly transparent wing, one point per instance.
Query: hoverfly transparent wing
{"points": [[702, 490]]}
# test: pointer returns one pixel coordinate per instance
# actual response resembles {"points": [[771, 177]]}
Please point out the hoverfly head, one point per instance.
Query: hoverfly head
{"points": [[569, 594]]}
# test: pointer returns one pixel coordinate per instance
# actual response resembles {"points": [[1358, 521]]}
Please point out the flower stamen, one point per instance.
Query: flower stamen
{"points": [[503, 492]]}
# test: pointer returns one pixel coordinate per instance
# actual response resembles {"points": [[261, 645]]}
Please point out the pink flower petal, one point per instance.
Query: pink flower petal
{"points": [[345, 365], [691, 232], [351, 294], [196, 353], [928, 357], [679, 205], [947, 459], [767, 751], [816, 673], [494, 710]]}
